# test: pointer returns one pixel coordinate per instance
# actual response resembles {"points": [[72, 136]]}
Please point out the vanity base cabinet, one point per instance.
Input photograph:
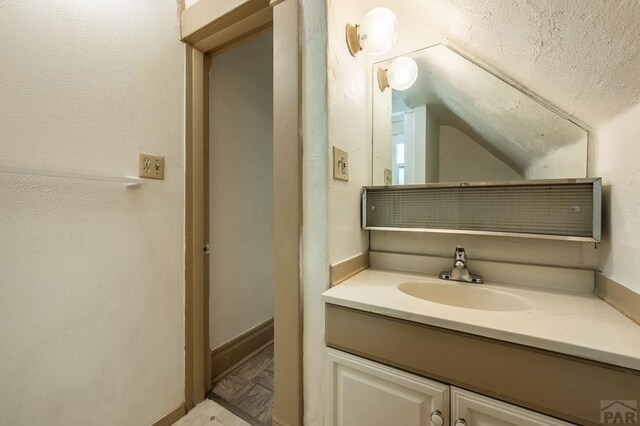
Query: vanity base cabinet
{"points": [[557, 385], [365, 393], [471, 409]]}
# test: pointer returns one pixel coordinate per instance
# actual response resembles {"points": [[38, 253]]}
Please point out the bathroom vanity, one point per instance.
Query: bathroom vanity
{"points": [[466, 151], [407, 348]]}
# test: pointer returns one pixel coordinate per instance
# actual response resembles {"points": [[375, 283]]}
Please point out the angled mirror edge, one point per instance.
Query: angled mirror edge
{"points": [[496, 73]]}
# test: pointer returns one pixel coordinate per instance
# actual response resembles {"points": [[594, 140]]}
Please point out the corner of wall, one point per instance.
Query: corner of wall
{"points": [[613, 155], [315, 196]]}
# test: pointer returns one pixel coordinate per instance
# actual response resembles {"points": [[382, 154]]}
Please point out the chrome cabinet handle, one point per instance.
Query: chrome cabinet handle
{"points": [[461, 422], [436, 418]]}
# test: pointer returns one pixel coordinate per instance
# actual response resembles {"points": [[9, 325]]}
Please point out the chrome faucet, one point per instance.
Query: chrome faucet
{"points": [[460, 271]]}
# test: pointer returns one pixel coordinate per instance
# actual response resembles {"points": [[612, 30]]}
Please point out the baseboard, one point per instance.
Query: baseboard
{"points": [[348, 268], [172, 417], [229, 355], [620, 297]]}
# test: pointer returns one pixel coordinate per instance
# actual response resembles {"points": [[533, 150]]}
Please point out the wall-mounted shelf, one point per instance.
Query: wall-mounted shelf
{"points": [[562, 209], [130, 182]]}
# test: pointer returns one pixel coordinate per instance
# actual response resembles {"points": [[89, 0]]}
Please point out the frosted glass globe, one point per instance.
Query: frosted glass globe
{"points": [[377, 31], [402, 73]]}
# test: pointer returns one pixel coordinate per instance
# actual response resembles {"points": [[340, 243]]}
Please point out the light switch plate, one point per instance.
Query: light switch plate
{"points": [[150, 166], [388, 177], [340, 164]]}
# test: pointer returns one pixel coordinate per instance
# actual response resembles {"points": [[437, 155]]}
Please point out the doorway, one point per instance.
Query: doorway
{"points": [[211, 26], [240, 183]]}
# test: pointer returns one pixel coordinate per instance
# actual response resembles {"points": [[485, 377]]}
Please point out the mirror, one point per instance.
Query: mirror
{"points": [[460, 123]]}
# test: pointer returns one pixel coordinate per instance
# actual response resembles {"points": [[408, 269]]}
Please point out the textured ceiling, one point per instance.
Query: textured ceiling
{"points": [[582, 55]]}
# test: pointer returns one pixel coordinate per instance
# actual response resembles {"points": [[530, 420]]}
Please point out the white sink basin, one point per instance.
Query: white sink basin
{"points": [[470, 296]]}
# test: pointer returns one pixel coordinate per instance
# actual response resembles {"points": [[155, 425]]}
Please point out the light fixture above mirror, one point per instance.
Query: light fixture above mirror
{"points": [[375, 34], [400, 75]]}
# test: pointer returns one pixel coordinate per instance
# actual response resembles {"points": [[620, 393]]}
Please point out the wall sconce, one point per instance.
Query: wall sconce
{"points": [[375, 34], [400, 75]]}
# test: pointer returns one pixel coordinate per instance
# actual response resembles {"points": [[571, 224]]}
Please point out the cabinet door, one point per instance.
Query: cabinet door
{"points": [[471, 409], [365, 393]]}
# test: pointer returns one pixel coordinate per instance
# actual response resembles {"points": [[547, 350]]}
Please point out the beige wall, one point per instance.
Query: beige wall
{"points": [[559, 163], [432, 142], [383, 129], [241, 189], [463, 159], [92, 274], [615, 154]]}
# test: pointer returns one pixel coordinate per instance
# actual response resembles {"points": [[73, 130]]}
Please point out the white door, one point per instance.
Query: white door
{"points": [[471, 409], [365, 393]]}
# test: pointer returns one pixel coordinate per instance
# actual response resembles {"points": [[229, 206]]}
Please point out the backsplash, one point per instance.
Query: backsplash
{"points": [[541, 277], [519, 250]]}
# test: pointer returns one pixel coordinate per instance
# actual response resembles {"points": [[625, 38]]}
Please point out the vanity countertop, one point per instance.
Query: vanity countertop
{"points": [[578, 324]]}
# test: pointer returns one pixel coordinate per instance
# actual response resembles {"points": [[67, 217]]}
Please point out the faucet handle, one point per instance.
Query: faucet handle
{"points": [[460, 272], [460, 257]]}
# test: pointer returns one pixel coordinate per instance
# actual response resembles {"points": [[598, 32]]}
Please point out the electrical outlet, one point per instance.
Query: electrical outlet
{"points": [[340, 164], [150, 166], [388, 178]]}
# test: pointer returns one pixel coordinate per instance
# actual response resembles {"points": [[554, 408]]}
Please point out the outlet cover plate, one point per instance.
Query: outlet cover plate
{"points": [[150, 166], [388, 177], [340, 164]]}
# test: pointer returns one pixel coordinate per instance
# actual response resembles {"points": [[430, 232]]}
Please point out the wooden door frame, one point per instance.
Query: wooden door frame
{"points": [[206, 27]]}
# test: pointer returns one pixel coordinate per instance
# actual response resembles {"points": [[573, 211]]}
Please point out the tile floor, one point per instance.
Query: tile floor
{"points": [[248, 390], [209, 413]]}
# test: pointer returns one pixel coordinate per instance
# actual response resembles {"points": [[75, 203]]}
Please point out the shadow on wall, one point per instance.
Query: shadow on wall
{"points": [[604, 248]]}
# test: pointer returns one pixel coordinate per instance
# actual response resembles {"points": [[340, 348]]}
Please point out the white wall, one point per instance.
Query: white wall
{"points": [[463, 159], [559, 163], [615, 153], [241, 189], [91, 274]]}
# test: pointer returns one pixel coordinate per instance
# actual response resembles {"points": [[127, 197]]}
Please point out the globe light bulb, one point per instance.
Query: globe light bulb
{"points": [[377, 31], [402, 73]]}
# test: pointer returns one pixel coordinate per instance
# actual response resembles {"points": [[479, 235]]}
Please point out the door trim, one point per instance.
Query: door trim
{"points": [[196, 303], [210, 18], [287, 218], [202, 25]]}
